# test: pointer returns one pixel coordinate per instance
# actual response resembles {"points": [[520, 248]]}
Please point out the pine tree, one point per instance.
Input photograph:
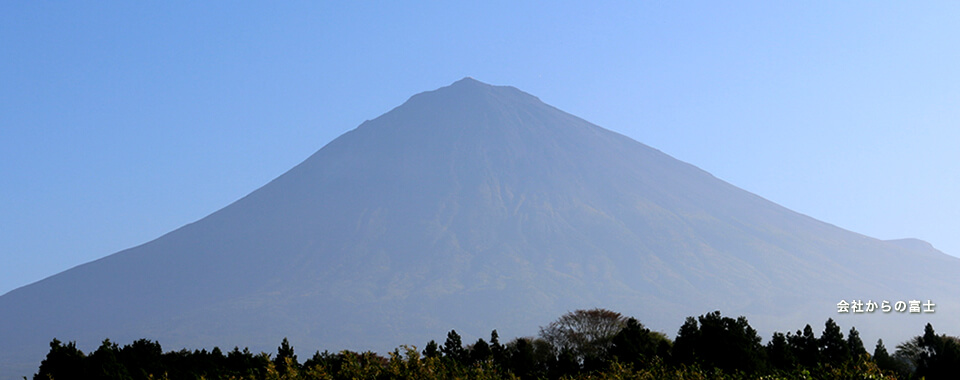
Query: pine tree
{"points": [[833, 349], [684, 346], [805, 347], [721, 342], [939, 355], [104, 363], [855, 344], [432, 350], [143, 358], [453, 348], [64, 361], [480, 351], [522, 359], [636, 344], [497, 350], [883, 359], [284, 352], [779, 353]]}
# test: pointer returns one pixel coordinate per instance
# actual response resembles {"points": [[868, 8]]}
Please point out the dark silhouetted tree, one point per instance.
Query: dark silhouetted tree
{"points": [[684, 347], [545, 358], [285, 356], [855, 344], [586, 333], [143, 358], [104, 363], [244, 364], [432, 350], [64, 361], [566, 364], [530, 358], [833, 348], [453, 348], [721, 342], [883, 359], [480, 351], [522, 359], [635, 344], [939, 355], [327, 360], [805, 347], [780, 353], [908, 354], [497, 350]]}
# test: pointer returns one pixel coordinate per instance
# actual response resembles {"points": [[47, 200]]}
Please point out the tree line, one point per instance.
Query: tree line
{"points": [[583, 344]]}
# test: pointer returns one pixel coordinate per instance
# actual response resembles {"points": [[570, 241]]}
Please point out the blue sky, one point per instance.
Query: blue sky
{"points": [[121, 121]]}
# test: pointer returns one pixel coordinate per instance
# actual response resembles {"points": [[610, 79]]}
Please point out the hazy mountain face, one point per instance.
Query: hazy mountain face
{"points": [[476, 207]]}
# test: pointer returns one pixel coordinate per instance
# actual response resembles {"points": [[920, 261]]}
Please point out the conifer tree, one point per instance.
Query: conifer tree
{"points": [[883, 359], [497, 350], [523, 361], [143, 358], [939, 355], [721, 342], [432, 350], [104, 363], [684, 346], [833, 348], [480, 351], [284, 352], [779, 352], [453, 348], [64, 361], [855, 344], [805, 347], [636, 344]]}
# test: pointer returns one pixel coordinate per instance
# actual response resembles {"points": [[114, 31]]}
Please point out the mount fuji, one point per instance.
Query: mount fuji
{"points": [[476, 207]]}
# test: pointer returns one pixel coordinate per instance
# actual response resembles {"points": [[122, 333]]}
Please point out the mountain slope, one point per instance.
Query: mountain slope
{"points": [[474, 207]]}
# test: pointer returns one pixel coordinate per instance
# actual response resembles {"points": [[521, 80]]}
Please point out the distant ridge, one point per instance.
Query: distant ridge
{"points": [[475, 207], [915, 245]]}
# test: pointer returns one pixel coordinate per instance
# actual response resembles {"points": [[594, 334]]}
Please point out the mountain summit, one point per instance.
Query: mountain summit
{"points": [[475, 207]]}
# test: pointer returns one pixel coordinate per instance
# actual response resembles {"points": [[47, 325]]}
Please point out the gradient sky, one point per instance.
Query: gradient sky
{"points": [[122, 121]]}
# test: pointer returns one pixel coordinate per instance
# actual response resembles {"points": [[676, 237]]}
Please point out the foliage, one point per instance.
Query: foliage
{"points": [[855, 344], [286, 360], [586, 335], [581, 345], [453, 348], [833, 348], [805, 346], [780, 353], [883, 358], [720, 342], [636, 344], [939, 355]]}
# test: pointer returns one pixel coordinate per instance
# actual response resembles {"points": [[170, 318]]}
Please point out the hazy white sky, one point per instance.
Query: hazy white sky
{"points": [[121, 121]]}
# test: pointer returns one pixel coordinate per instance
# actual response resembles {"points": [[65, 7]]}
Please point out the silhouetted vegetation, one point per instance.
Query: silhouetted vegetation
{"points": [[584, 344]]}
